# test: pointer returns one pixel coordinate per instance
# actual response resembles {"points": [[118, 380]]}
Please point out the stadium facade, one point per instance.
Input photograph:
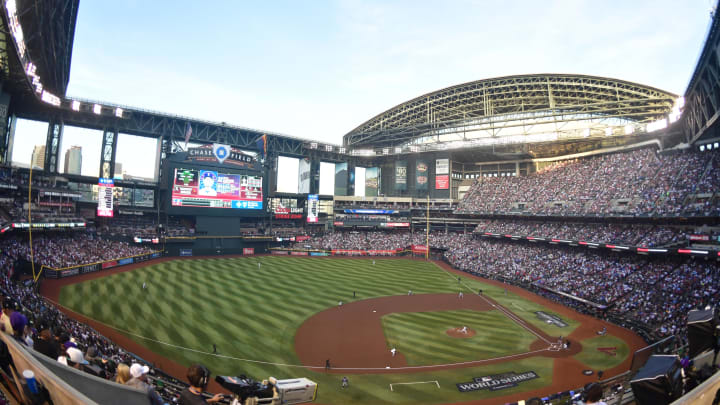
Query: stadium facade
{"points": [[429, 154]]}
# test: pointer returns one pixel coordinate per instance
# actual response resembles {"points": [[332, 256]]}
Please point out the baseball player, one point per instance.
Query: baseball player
{"points": [[464, 330], [344, 382], [144, 286], [393, 351], [460, 295]]}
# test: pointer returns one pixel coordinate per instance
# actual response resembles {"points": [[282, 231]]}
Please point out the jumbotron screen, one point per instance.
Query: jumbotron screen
{"points": [[211, 189]]}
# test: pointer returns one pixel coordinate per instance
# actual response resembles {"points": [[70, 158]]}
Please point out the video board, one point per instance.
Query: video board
{"points": [[207, 188]]}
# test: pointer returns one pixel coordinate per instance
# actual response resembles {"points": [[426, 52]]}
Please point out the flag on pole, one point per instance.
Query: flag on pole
{"points": [[262, 145], [188, 133]]}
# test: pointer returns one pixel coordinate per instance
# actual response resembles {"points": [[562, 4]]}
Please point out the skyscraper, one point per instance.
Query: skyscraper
{"points": [[73, 160], [118, 171], [38, 157]]}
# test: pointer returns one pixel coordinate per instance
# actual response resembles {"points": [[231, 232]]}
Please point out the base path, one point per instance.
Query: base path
{"points": [[351, 336], [567, 372]]}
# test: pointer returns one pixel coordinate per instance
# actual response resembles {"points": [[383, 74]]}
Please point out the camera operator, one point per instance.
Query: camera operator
{"points": [[593, 395], [198, 377]]}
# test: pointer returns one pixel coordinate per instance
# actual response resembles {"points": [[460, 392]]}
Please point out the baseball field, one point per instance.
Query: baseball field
{"points": [[280, 316]]}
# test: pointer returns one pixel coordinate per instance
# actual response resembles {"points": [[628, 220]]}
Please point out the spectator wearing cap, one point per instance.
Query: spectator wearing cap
{"points": [[92, 356], [8, 307], [73, 357], [138, 380], [45, 343], [18, 321]]}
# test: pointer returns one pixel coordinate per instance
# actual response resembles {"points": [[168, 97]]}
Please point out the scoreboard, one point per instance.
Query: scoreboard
{"points": [[105, 197], [200, 188]]}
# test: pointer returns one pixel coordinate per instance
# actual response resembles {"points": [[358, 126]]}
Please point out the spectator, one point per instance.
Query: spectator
{"points": [[45, 343], [123, 374], [139, 381]]}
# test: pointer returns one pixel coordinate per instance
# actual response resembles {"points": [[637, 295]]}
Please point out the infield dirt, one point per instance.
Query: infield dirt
{"points": [[366, 347]]}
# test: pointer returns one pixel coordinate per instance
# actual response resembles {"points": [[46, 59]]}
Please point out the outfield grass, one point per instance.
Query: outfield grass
{"points": [[253, 313], [421, 337], [590, 354]]}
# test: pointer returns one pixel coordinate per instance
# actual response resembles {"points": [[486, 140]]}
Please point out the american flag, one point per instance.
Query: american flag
{"points": [[188, 133]]}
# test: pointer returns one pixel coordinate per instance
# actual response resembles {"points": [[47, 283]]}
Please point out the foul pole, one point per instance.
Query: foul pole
{"points": [[32, 257], [427, 229]]}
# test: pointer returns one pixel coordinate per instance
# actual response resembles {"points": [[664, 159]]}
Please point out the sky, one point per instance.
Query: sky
{"points": [[318, 69]]}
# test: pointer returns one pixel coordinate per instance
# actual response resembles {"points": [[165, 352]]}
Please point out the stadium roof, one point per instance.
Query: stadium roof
{"points": [[514, 106], [46, 30]]}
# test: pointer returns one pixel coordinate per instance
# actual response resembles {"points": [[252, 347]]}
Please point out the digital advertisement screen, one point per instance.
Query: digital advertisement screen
{"points": [[105, 197], [199, 188]]}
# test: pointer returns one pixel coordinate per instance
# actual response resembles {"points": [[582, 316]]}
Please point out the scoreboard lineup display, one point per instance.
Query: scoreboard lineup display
{"points": [[210, 189]]}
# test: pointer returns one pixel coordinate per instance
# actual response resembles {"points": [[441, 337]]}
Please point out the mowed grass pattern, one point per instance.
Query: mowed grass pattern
{"points": [[248, 312], [252, 312], [421, 336]]}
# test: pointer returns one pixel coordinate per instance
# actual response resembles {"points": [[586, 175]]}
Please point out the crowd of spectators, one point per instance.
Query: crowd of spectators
{"points": [[59, 250], [652, 291], [656, 292], [624, 234], [639, 182], [37, 323]]}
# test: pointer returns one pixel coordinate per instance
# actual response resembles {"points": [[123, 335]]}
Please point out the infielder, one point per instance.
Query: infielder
{"points": [[393, 351]]}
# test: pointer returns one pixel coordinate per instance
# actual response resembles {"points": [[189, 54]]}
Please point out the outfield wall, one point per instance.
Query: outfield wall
{"points": [[50, 272]]}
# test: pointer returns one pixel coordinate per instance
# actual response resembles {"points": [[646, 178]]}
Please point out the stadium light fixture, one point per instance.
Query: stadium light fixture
{"points": [[386, 151], [702, 148], [398, 150], [75, 105], [328, 148], [313, 145], [341, 150], [118, 112], [716, 145], [97, 109], [608, 131], [629, 129], [50, 98], [586, 132]]}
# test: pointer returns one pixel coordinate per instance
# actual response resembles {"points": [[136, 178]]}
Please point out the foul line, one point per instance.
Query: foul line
{"points": [[502, 309], [300, 365]]}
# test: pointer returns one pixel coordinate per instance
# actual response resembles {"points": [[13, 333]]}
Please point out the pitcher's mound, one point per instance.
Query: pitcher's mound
{"points": [[460, 333]]}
